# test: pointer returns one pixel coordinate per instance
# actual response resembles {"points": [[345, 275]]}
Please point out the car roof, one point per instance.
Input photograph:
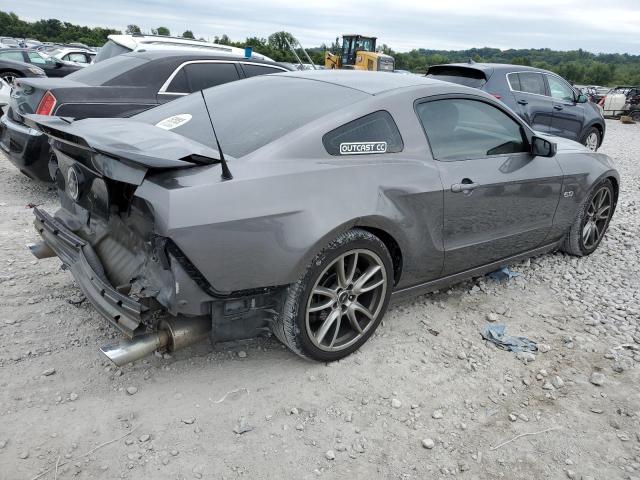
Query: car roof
{"points": [[372, 83], [196, 53]]}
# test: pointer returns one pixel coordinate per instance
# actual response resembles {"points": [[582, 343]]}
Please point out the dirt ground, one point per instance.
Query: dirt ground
{"points": [[424, 398]]}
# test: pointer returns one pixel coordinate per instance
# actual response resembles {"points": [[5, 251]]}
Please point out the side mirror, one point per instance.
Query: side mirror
{"points": [[582, 98], [543, 148]]}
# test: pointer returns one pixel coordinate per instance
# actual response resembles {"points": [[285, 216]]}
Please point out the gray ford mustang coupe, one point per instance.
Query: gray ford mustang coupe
{"points": [[303, 202]]}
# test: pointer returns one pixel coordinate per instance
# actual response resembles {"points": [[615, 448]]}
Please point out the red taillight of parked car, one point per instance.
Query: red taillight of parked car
{"points": [[47, 104]]}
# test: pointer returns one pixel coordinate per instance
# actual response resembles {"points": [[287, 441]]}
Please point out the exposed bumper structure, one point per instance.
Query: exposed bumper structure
{"points": [[122, 311], [27, 148]]}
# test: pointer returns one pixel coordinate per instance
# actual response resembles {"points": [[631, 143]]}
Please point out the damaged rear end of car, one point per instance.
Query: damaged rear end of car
{"points": [[108, 238]]}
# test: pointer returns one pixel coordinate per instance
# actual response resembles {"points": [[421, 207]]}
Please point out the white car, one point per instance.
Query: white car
{"points": [[77, 56], [118, 44], [5, 91]]}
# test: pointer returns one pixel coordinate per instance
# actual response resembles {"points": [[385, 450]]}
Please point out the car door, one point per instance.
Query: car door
{"points": [[199, 75], [568, 115], [499, 199], [533, 104]]}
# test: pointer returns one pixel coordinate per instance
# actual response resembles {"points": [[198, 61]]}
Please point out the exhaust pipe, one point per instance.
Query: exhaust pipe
{"points": [[172, 334], [41, 250]]}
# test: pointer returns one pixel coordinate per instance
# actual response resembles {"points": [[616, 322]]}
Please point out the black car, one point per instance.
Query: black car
{"points": [[52, 66], [543, 99], [118, 87], [10, 69]]}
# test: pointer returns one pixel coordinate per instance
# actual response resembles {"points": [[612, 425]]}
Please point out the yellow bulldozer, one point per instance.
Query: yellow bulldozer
{"points": [[359, 53]]}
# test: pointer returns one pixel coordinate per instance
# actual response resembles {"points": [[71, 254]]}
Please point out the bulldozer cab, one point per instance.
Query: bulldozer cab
{"points": [[351, 44]]}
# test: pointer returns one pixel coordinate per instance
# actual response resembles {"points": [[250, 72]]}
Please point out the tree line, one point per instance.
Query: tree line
{"points": [[579, 66]]}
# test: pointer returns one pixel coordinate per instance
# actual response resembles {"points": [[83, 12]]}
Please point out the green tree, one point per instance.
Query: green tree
{"points": [[188, 34], [161, 31], [132, 29]]}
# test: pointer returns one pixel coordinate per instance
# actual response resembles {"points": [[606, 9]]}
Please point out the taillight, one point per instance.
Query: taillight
{"points": [[47, 104], [497, 95]]}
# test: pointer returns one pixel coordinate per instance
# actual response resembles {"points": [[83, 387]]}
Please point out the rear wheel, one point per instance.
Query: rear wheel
{"points": [[340, 300], [635, 115], [9, 76], [592, 139], [592, 221]]}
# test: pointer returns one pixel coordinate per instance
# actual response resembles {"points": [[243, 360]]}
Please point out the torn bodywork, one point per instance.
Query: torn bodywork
{"points": [[137, 279]]}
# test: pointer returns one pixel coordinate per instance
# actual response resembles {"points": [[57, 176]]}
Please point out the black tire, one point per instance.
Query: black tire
{"points": [[574, 243], [592, 133], [291, 325], [635, 115], [9, 75]]}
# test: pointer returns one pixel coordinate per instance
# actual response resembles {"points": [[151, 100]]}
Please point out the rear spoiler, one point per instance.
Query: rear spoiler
{"points": [[127, 139]]}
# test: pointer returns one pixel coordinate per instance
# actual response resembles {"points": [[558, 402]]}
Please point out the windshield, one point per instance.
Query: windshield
{"points": [[109, 50]]}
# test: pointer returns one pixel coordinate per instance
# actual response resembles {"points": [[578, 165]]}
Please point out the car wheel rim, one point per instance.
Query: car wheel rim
{"points": [[346, 300], [592, 141], [8, 78], [597, 217]]}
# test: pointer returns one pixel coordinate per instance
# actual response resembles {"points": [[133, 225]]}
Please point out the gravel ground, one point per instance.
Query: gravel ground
{"points": [[424, 398]]}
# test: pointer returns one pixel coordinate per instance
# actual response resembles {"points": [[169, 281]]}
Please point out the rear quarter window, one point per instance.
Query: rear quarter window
{"points": [[373, 133]]}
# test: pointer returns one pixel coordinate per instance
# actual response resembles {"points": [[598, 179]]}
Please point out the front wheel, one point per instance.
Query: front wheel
{"points": [[592, 221], [340, 300], [592, 139]]}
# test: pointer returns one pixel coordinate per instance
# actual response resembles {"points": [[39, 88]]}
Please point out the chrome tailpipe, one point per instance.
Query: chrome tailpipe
{"points": [[172, 335], [41, 250]]}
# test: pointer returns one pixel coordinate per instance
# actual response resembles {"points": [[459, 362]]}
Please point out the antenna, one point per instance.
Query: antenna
{"points": [[226, 173]]}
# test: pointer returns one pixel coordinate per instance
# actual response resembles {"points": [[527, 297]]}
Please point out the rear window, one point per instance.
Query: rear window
{"points": [[254, 112], [103, 72], [109, 50], [469, 77]]}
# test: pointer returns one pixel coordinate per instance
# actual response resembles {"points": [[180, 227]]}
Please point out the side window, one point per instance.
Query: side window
{"points": [[531, 82], [560, 90], [12, 56], [76, 57], [179, 83], [461, 129], [373, 133], [205, 75], [255, 70], [514, 81], [35, 58]]}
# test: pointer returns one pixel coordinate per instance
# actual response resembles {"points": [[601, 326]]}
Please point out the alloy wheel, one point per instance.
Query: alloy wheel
{"points": [[597, 217], [346, 300], [592, 142], [9, 78]]}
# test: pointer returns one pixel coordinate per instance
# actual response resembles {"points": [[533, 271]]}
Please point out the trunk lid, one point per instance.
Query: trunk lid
{"points": [[27, 93]]}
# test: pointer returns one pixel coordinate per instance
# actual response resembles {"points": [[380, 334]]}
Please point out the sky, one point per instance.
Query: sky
{"points": [[402, 24]]}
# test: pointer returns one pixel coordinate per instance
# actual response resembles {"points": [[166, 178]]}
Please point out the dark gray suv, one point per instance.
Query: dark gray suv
{"points": [[543, 99]]}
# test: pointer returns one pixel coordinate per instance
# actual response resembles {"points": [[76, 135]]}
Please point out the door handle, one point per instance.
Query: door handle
{"points": [[464, 187], [523, 102], [558, 107]]}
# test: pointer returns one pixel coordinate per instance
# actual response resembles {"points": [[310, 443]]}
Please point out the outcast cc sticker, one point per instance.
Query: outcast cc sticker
{"points": [[174, 122], [361, 148]]}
